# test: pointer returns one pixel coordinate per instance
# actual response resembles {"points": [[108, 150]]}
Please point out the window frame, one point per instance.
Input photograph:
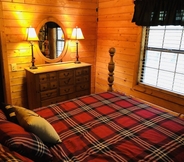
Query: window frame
{"points": [[149, 89]]}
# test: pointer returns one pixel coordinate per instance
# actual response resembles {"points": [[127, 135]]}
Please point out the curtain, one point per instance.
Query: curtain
{"points": [[158, 12]]}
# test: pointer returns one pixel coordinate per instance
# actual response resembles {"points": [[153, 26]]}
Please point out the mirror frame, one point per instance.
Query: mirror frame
{"points": [[47, 60]]}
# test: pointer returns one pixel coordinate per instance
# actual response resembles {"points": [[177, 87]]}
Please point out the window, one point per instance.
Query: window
{"points": [[163, 58], [59, 41]]}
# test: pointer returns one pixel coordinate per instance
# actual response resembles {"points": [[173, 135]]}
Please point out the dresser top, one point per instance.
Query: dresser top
{"points": [[56, 67]]}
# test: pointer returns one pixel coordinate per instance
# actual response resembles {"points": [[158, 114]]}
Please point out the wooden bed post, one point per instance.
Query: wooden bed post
{"points": [[111, 69]]}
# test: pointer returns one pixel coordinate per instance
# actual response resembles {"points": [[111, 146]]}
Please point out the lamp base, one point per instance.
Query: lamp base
{"points": [[33, 67], [77, 62]]}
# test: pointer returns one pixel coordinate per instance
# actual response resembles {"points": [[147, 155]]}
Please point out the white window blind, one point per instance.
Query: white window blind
{"points": [[163, 58]]}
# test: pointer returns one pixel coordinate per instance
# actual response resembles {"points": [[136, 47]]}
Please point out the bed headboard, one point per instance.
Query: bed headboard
{"points": [[111, 67]]}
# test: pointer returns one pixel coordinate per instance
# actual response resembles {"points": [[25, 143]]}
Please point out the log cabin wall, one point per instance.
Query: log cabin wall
{"points": [[17, 15], [1, 66], [115, 29]]}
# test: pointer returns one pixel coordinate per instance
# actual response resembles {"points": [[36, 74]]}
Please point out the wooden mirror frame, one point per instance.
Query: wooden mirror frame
{"points": [[58, 59]]}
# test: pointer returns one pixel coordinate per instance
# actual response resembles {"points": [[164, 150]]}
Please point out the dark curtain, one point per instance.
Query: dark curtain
{"points": [[158, 12]]}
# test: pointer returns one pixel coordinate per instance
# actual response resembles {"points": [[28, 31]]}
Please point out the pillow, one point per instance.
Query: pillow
{"points": [[9, 112], [2, 115], [27, 144], [7, 155], [32, 122]]}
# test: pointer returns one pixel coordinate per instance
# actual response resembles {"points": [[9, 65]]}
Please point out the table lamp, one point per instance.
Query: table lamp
{"points": [[76, 35], [31, 37]]}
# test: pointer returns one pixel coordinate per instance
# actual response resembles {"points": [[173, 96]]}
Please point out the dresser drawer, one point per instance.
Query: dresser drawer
{"points": [[66, 74], [44, 87], [82, 79], [82, 71], [48, 94], [53, 84], [47, 86], [81, 87], [67, 90], [66, 82], [80, 93], [47, 77], [54, 100], [43, 78], [52, 76]]}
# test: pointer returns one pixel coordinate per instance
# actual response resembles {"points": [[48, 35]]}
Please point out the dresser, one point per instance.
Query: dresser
{"points": [[54, 83]]}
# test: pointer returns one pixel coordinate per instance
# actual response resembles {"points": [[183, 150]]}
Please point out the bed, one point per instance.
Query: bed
{"points": [[103, 127]]}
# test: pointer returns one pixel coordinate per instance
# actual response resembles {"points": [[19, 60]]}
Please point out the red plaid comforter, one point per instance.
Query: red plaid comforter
{"points": [[110, 127]]}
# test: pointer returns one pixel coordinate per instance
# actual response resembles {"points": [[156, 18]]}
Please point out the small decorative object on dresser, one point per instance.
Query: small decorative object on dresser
{"points": [[54, 83]]}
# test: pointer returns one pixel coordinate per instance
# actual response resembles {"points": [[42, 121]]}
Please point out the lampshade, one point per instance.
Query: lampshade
{"points": [[77, 34], [31, 34]]}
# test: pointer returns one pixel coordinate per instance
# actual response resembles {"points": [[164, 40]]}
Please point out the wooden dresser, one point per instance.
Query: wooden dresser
{"points": [[57, 82]]}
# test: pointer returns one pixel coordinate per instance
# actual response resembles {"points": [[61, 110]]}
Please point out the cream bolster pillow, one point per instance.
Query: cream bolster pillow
{"points": [[32, 122]]}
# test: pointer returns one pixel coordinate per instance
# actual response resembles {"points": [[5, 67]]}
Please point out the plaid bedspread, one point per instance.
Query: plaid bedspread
{"points": [[7, 155], [111, 127]]}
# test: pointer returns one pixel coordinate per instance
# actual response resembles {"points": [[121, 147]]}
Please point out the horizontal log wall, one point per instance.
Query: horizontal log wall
{"points": [[115, 29], [17, 15]]}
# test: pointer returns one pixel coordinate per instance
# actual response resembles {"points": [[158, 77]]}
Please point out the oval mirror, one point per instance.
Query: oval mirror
{"points": [[52, 41]]}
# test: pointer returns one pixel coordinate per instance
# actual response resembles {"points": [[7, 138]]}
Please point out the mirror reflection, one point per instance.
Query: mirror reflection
{"points": [[51, 40]]}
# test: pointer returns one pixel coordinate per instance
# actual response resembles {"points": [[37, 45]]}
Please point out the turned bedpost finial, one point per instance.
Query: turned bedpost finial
{"points": [[111, 69]]}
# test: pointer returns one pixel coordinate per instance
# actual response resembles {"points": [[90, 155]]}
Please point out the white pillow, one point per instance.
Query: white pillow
{"points": [[32, 122]]}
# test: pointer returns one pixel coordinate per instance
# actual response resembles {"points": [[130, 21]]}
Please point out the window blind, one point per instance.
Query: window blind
{"points": [[163, 58]]}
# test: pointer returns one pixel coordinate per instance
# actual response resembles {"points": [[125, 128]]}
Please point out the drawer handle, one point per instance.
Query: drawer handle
{"points": [[53, 86], [49, 94], [67, 81], [67, 90], [54, 102], [66, 74], [82, 87]]}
